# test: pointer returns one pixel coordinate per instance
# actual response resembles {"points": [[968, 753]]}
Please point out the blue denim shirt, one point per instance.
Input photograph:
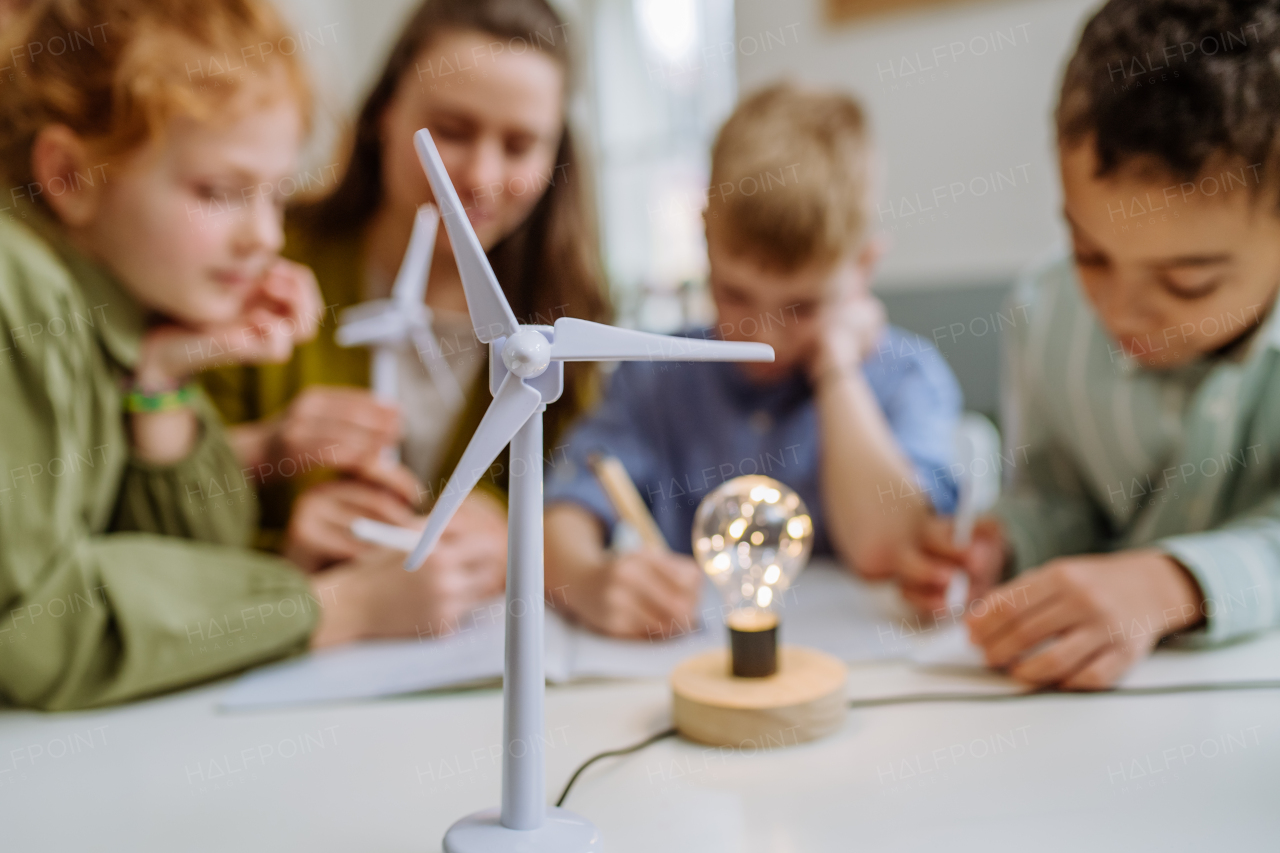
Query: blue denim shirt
{"points": [[683, 429]]}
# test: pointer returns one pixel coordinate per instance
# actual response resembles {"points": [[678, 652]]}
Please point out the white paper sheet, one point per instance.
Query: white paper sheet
{"points": [[827, 609]]}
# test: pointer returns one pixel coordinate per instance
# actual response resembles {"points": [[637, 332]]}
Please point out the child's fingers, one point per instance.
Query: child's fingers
{"points": [[1101, 672], [267, 336], [345, 428], [677, 585], [357, 499], [925, 598], [335, 443], [917, 568], [652, 591], [937, 535], [348, 405], [309, 305], [328, 446], [468, 578], [1009, 602], [629, 614], [318, 531], [348, 453], [290, 290], [1062, 658], [679, 571], [381, 427], [395, 478], [1018, 636]]}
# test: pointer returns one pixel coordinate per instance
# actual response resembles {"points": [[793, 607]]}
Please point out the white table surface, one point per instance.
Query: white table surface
{"points": [[1185, 772]]}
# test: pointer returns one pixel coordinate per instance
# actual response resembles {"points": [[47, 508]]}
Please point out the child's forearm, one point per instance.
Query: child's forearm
{"points": [[862, 474], [251, 443], [163, 438], [574, 549]]}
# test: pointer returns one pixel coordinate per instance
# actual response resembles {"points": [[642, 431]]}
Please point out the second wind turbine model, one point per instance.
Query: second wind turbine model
{"points": [[526, 372], [404, 319]]}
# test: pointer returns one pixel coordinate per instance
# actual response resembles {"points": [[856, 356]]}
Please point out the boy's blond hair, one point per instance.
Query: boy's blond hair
{"points": [[116, 71], [790, 178]]}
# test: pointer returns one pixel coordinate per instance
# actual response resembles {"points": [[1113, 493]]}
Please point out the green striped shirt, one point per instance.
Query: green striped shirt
{"points": [[1103, 454]]}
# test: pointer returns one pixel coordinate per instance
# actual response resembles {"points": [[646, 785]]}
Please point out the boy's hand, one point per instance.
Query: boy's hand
{"points": [[924, 569], [641, 595], [1095, 615], [849, 330]]}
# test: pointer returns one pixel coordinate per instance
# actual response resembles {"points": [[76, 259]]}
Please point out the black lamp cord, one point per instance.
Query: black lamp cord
{"points": [[920, 698]]}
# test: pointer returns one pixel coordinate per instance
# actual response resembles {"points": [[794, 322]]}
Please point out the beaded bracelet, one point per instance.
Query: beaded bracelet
{"points": [[140, 402]]}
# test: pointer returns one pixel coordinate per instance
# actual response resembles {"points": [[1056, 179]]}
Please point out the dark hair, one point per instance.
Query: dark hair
{"points": [[550, 264], [1177, 84]]}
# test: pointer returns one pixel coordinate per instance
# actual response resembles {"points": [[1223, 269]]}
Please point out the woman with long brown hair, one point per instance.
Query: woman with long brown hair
{"points": [[490, 80]]}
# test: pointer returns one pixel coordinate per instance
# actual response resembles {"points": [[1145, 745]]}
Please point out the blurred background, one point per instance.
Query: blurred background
{"points": [[960, 95]]}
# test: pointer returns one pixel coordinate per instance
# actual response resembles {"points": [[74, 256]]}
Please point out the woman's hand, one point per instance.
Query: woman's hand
{"points": [[346, 429], [373, 596], [319, 533]]}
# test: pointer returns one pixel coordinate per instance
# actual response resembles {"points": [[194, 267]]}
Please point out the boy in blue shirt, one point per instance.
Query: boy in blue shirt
{"points": [[855, 416]]}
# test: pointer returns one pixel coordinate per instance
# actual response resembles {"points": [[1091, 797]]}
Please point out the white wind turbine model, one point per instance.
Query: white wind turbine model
{"points": [[526, 372], [386, 324]]}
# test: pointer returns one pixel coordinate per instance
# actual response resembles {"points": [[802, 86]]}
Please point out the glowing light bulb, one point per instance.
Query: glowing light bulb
{"points": [[752, 536]]}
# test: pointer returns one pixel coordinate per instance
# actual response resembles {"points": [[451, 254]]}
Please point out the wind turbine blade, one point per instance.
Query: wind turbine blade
{"points": [[582, 340], [411, 279], [491, 316], [432, 358], [514, 403], [369, 323]]}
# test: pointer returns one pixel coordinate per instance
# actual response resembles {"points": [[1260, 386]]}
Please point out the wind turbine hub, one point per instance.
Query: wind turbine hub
{"points": [[527, 353]]}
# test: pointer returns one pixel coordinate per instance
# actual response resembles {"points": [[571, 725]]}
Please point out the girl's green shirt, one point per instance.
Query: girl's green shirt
{"points": [[118, 578]]}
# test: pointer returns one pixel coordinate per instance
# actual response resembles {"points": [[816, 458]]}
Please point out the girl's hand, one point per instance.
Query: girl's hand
{"points": [[373, 596], [281, 313], [284, 312]]}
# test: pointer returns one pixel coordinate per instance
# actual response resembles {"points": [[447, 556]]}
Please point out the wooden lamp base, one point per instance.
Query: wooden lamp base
{"points": [[802, 701]]}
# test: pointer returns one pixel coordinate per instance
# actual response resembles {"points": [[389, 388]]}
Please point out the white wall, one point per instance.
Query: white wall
{"points": [[978, 112], [960, 99], [347, 42]]}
